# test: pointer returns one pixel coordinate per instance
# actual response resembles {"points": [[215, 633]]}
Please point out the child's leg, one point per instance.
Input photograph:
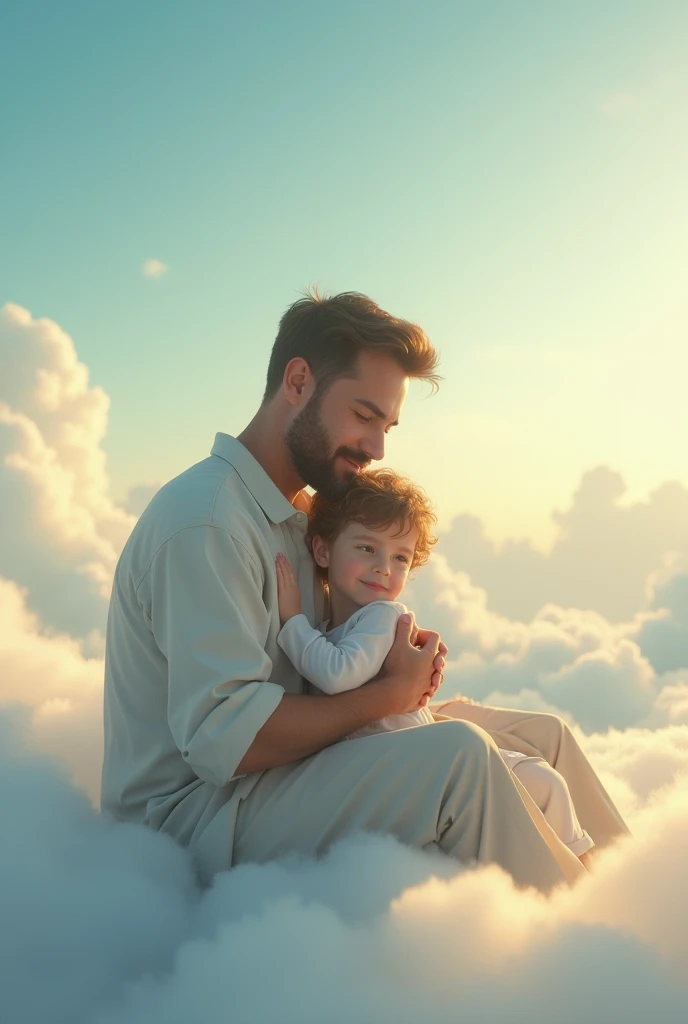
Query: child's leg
{"points": [[551, 794], [542, 735]]}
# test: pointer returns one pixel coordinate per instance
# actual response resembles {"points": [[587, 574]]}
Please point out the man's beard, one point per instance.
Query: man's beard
{"points": [[309, 445]]}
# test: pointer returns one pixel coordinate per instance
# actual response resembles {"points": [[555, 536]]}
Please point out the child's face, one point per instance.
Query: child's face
{"points": [[365, 565]]}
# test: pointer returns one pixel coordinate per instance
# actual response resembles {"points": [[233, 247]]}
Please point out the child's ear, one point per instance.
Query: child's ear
{"points": [[321, 552]]}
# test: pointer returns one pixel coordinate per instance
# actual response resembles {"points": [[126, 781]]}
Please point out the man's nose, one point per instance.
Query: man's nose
{"points": [[374, 446]]}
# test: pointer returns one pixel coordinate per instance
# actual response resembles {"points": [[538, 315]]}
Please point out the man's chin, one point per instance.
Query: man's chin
{"points": [[348, 471], [339, 481]]}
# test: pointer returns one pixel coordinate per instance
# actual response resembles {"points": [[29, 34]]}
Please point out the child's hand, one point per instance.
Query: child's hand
{"points": [[288, 593]]}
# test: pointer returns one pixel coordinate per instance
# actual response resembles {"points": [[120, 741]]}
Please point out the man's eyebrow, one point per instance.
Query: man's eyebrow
{"points": [[376, 410], [368, 536]]}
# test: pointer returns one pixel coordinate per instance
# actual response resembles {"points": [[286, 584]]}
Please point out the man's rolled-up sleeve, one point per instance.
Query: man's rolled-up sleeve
{"points": [[211, 624]]}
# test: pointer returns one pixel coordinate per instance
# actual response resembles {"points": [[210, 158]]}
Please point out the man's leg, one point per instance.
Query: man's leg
{"points": [[442, 784], [543, 735]]}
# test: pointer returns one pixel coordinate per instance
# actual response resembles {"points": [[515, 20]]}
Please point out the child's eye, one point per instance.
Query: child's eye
{"points": [[366, 547], [403, 558]]}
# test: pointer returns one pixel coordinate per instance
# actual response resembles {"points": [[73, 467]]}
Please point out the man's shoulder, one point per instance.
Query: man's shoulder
{"points": [[210, 494], [190, 499]]}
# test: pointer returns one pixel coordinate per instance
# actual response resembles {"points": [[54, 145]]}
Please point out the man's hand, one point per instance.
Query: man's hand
{"points": [[419, 638], [303, 724], [288, 593], [411, 672]]}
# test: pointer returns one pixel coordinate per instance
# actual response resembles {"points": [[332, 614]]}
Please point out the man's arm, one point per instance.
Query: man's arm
{"points": [[302, 725], [210, 622]]}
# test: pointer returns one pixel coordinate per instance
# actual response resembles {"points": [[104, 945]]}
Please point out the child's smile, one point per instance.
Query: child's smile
{"points": [[365, 564]]}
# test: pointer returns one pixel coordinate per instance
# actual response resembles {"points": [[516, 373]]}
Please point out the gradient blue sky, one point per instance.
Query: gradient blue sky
{"points": [[512, 175]]}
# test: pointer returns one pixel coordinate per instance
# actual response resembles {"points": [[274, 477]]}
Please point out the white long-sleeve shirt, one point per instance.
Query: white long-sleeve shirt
{"points": [[346, 657]]}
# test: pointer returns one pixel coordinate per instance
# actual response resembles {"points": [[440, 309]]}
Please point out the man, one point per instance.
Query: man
{"points": [[209, 733]]}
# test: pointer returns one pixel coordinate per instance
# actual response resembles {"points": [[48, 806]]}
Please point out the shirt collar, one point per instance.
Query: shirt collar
{"points": [[262, 487]]}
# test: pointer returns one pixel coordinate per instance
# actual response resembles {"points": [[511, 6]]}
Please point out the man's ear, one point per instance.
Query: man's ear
{"points": [[298, 381], [321, 552]]}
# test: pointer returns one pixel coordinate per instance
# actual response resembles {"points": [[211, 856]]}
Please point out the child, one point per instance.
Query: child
{"points": [[365, 546]]}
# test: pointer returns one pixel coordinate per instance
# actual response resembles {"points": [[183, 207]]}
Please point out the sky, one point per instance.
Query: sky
{"points": [[509, 175]]}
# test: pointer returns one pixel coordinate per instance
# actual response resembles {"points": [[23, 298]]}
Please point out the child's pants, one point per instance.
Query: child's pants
{"points": [[551, 794]]}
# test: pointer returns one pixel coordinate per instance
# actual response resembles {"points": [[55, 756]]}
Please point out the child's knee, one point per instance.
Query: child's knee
{"points": [[543, 782], [558, 787]]}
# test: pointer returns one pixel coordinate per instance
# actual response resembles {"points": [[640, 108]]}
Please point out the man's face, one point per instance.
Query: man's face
{"points": [[340, 433]]}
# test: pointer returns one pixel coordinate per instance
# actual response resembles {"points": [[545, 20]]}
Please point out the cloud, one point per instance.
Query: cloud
{"points": [[671, 704], [60, 688], [373, 931], [577, 661], [601, 559], [62, 530], [154, 268], [86, 904], [662, 631]]}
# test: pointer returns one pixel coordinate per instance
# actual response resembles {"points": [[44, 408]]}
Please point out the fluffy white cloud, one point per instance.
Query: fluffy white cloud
{"points": [[61, 688], [576, 661], [671, 704], [601, 559], [373, 931], [85, 904], [645, 760], [662, 631], [154, 268], [62, 531]]}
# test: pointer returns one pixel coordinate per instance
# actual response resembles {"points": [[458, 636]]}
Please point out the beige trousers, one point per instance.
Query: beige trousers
{"points": [[548, 736], [443, 785]]}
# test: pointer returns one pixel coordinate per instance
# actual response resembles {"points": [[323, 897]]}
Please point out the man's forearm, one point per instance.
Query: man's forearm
{"points": [[303, 724]]}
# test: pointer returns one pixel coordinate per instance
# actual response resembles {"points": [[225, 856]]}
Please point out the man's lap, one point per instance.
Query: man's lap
{"points": [[360, 784], [368, 783]]}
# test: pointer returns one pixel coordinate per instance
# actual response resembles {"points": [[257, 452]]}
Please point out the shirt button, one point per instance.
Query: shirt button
{"points": [[185, 753], [300, 517]]}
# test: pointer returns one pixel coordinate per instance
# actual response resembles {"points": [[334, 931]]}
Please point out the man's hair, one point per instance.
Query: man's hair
{"points": [[330, 332], [377, 499]]}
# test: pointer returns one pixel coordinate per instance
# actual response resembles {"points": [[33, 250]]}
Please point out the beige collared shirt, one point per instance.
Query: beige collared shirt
{"points": [[192, 665]]}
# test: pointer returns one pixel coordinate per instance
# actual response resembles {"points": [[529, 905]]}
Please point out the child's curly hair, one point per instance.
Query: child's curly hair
{"points": [[377, 499]]}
